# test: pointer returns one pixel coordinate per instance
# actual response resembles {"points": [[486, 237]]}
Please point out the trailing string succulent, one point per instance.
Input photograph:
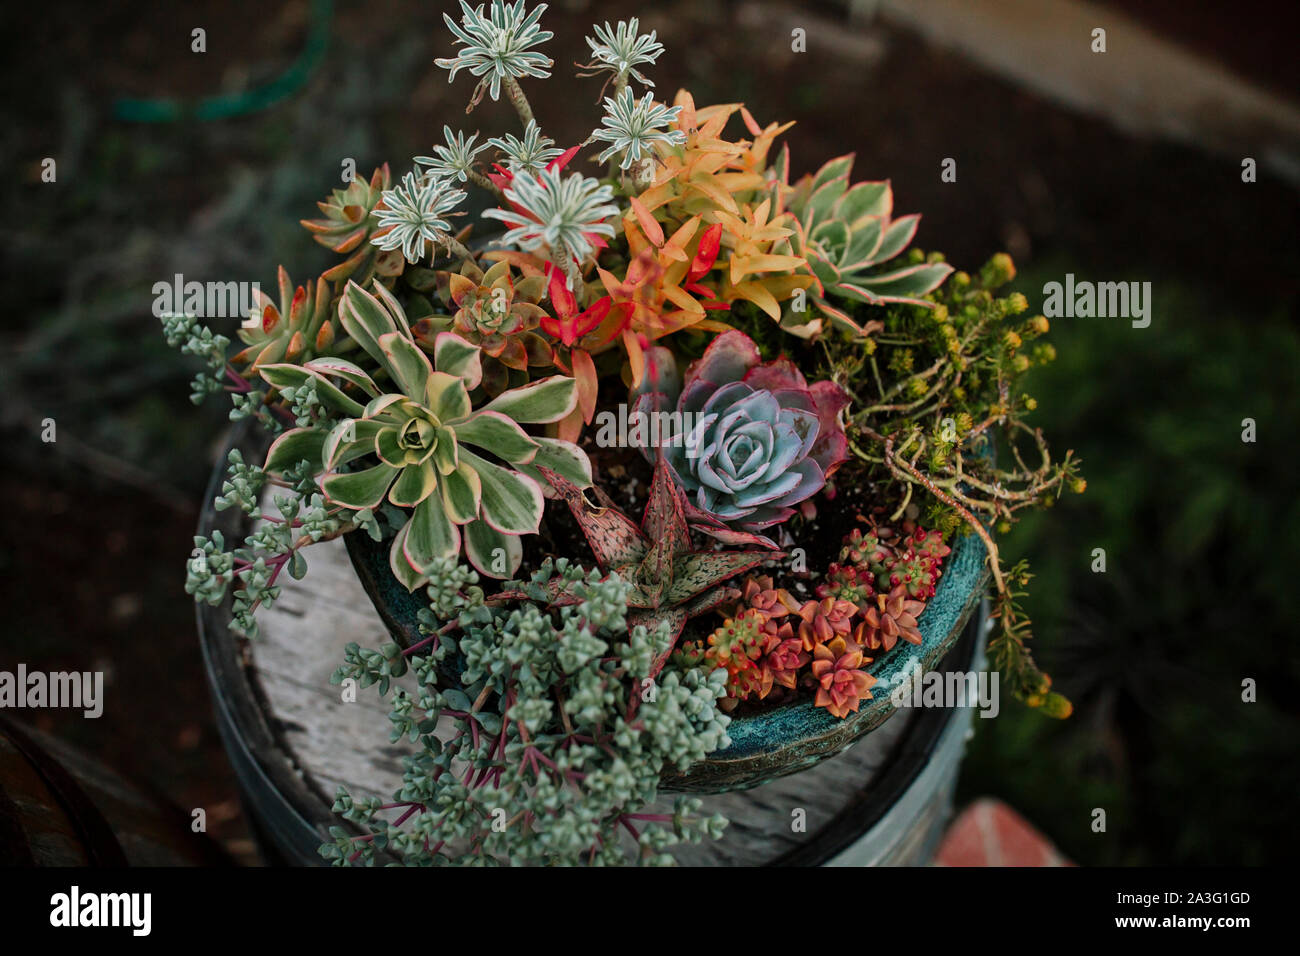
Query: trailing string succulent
{"points": [[799, 365], [555, 744]]}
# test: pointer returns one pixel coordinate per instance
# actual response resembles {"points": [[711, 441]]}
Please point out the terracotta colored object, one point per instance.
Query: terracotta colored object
{"points": [[990, 833]]}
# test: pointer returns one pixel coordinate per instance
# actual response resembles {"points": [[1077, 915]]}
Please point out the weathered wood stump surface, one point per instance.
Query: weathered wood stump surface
{"points": [[335, 743]]}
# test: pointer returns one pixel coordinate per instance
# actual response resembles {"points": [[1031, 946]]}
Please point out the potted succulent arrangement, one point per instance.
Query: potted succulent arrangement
{"points": [[664, 481]]}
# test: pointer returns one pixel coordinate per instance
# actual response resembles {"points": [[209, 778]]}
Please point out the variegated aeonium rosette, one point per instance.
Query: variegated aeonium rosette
{"points": [[446, 396], [423, 435]]}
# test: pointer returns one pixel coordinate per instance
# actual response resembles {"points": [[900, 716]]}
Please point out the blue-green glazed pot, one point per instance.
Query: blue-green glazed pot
{"points": [[789, 737]]}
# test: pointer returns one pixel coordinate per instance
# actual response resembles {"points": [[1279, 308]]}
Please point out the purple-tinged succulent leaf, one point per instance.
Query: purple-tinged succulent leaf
{"points": [[758, 443], [699, 572], [727, 359], [708, 524], [614, 540]]}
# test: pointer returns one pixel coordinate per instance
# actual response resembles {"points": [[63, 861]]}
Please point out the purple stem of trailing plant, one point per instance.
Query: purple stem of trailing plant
{"points": [[275, 562], [405, 816], [415, 647], [242, 385], [538, 755], [433, 638]]}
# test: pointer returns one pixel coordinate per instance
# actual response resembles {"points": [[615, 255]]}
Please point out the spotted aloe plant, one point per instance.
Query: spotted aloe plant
{"points": [[423, 446], [671, 580], [846, 233]]}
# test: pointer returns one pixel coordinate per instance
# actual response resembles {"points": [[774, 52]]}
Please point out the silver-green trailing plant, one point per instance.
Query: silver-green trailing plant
{"points": [[541, 734]]}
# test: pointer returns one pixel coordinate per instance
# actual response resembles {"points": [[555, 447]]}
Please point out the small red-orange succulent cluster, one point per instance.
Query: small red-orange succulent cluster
{"points": [[867, 601], [841, 682]]}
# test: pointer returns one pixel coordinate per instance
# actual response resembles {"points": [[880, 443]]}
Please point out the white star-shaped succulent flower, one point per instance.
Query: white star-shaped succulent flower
{"points": [[623, 48], [530, 154], [496, 45], [560, 213], [632, 126], [455, 160], [413, 213]]}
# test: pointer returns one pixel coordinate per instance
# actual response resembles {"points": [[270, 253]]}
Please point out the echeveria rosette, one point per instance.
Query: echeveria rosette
{"points": [[759, 438], [422, 447], [847, 232]]}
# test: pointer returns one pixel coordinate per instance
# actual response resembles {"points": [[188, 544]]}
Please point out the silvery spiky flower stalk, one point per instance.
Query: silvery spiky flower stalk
{"points": [[453, 161], [497, 45], [560, 213], [529, 155], [620, 49], [414, 210], [632, 126]]}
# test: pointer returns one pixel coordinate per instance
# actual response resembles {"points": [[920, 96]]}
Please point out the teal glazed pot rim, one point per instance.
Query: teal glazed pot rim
{"points": [[775, 742]]}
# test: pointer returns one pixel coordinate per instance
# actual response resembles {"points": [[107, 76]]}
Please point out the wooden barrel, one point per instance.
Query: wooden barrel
{"points": [[59, 807], [293, 740]]}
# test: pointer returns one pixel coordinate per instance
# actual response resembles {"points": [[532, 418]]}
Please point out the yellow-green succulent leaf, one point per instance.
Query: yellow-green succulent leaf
{"points": [[564, 458], [511, 502], [430, 534], [345, 370], [499, 435], [455, 356], [388, 446], [413, 485], [446, 450], [408, 365], [494, 553], [446, 397], [299, 444], [359, 489], [365, 320], [349, 440], [409, 577], [545, 400], [461, 492]]}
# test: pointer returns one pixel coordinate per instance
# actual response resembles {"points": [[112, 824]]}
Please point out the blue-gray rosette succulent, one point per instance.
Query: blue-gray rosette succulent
{"points": [[748, 440]]}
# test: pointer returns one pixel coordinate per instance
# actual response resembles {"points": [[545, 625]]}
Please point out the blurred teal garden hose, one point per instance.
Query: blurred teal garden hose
{"points": [[227, 105]]}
